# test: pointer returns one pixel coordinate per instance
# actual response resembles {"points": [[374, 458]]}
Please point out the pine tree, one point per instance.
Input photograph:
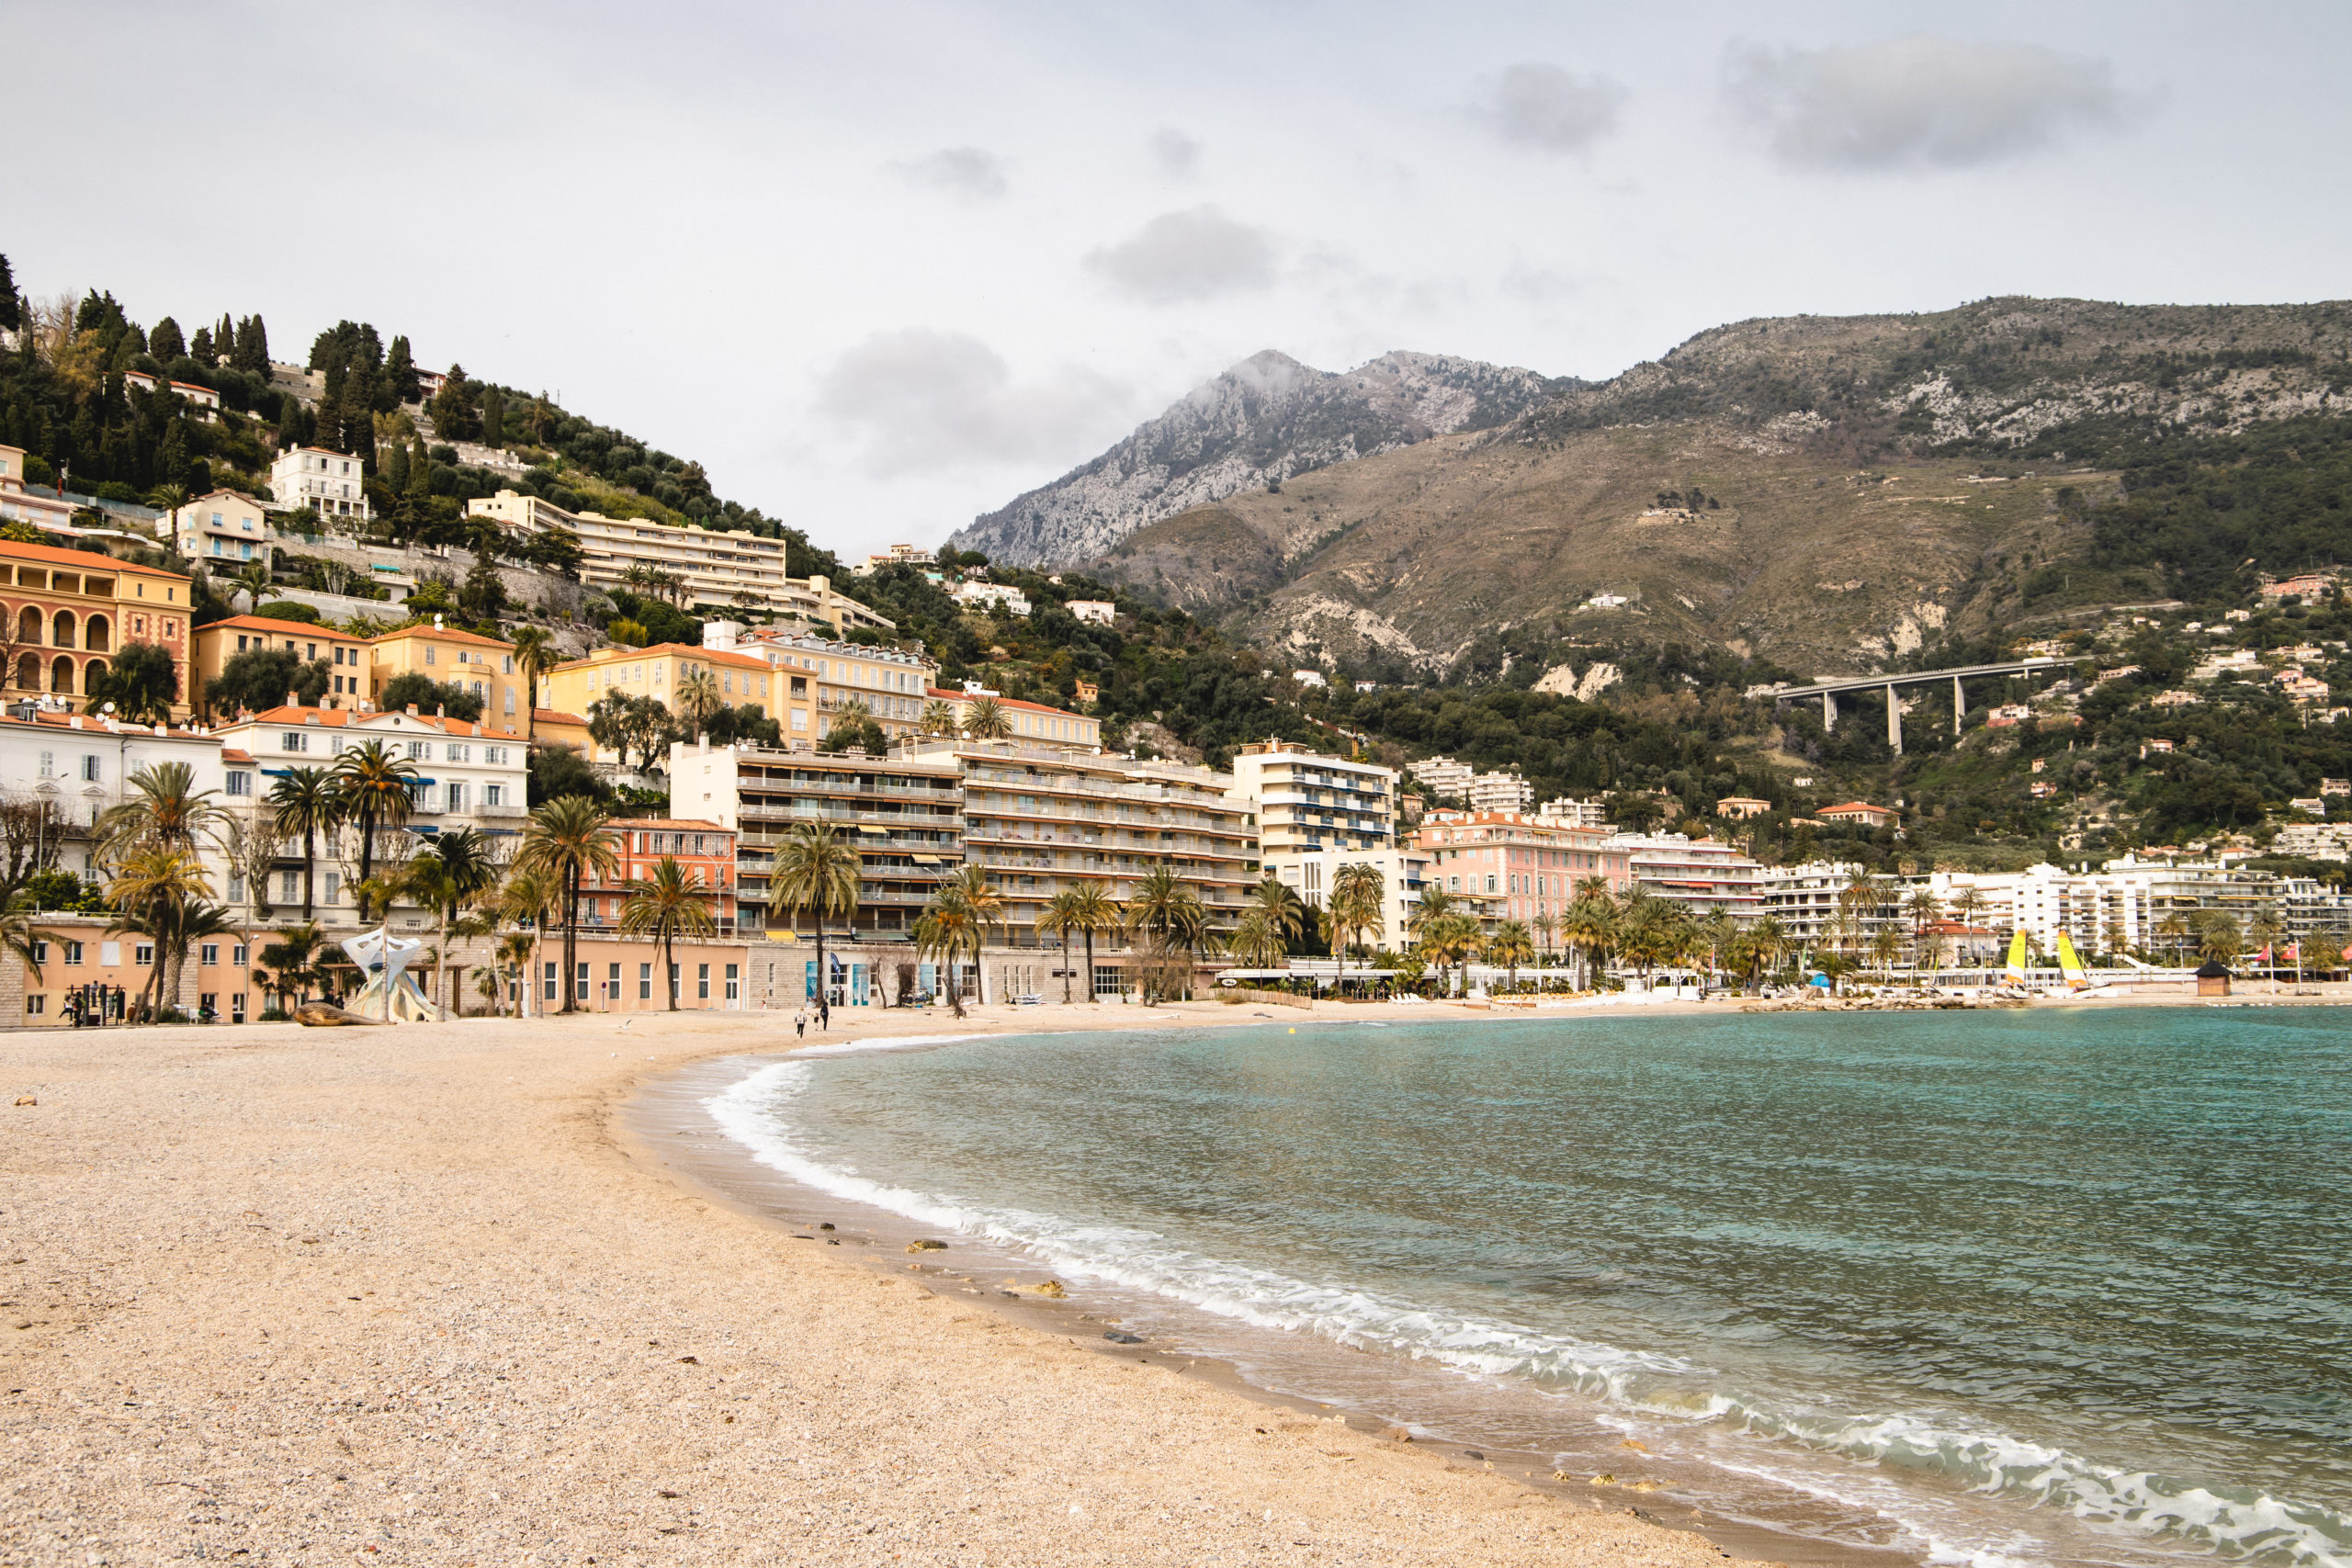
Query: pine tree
{"points": [[396, 468], [400, 373], [328, 417], [294, 424], [12, 311], [165, 342], [493, 417], [199, 348]]}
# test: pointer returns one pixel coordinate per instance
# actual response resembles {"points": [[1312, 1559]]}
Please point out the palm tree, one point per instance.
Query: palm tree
{"points": [[515, 950], [1065, 912], [1547, 926], [1448, 939], [1886, 946], [938, 718], [1167, 912], [372, 786], [307, 801], [1256, 941], [525, 898], [948, 929], [1923, 908], [816, 871], [1096, 910], [535, 655], [1286, 914], [457, 869], [1967, 904], [2222, 940], [1359, 894], [987, 720], [165, 811], [566, 842], [19, 933], [1589, 925], [665, 907], [293, 961], [2175, 926], [2266, 928], [154, 888], [698, 697], [1510, 946]]}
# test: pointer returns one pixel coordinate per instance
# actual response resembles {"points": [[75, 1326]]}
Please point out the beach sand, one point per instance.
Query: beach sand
{"points": [[272, 1295]]}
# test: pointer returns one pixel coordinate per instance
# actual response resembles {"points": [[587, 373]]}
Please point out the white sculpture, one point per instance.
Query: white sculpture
{"points": [[391, 994]]}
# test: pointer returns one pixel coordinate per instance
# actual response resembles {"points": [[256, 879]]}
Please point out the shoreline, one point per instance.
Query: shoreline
{"points": [[287, 1293]]}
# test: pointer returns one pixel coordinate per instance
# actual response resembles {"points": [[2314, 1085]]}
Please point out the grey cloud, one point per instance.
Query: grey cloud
{"points": [[931, 402], [1175, 152], [965, 171], [1918, 101], [1185, 257], [1548, 108]]}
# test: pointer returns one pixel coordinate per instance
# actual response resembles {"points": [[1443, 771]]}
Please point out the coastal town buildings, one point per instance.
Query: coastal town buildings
{"points": [[819, 678], [1304, 800], [1312, 872], [726, 570], [1509, 866], [1032, 722], [1822, 905], [344, 655], [223, 532], [64, 614], [1502, 792], [1707, 877], [1574, 812], [20, 504], [481, 666], [703, 850], [332, 484]]}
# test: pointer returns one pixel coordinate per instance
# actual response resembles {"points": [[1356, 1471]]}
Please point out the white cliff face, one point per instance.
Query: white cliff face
{"points": [[1266, 419]]}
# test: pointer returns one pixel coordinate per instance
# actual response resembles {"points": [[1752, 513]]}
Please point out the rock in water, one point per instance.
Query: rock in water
{"points": [[926, 1246], [1117, 1338], [326, 1015]]}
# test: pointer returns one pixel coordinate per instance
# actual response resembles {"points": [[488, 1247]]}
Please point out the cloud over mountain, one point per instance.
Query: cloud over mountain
{"points": [[1919, 101], [1182, 258]]}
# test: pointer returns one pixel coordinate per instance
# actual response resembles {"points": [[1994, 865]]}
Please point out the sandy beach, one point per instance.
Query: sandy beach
{"points": [[285, 1295]]}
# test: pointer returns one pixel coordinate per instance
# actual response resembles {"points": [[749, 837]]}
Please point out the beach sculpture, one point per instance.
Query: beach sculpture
{"points": [[390, 995]]}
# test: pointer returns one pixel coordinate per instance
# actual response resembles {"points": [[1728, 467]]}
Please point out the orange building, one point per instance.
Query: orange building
{"points": [[704, 850], [69, 612], [223, 641]]}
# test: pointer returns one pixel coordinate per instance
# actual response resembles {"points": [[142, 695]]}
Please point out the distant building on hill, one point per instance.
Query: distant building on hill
{"points": [[332, 484], [1502, 792]]}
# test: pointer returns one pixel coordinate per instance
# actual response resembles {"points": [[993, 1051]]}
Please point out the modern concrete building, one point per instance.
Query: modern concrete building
{"points": [[821, 677], [332, 484], [732, 570], [1311, 874], [19, 503], [1305, 800], [1706, 876], [1502, 792]]}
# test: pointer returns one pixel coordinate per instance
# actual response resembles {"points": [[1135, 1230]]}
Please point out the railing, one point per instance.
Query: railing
{"points": [[949, 819]]}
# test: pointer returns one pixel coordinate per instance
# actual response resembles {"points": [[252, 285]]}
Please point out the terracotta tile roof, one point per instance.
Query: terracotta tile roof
{"points": [[1013, 705], [231, 754], [697, 823], [88, 560], [555, 716], [272, 625], [668, 649], [445, 634], [94, 725], [338, 719]]}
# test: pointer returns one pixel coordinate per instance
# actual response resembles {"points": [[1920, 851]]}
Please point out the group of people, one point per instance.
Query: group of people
{"points": [[800, 1019]]}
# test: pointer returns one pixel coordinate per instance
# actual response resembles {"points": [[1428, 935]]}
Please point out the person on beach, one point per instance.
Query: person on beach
{"points": [[800, 1024], [825, 1014]]}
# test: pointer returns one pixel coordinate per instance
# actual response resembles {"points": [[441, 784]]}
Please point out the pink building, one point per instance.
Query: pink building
{"points": [[1513, 867]]}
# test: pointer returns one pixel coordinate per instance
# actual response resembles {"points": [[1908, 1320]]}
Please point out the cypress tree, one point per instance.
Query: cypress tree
{"points": [[164, 342], [12, 310], [396, 468], [400, 373], [225, 339], [199, 347], [328, 418], [493, 417], [170, 461]]}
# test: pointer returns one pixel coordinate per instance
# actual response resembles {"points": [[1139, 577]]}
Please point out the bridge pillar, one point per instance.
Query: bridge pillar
{"points": [[1828, 711], [1959, 704], [1893, 720]]}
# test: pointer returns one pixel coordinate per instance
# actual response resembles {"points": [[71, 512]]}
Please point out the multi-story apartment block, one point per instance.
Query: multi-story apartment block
{"points": [[703, 850], [481, 666], [20, 504], [66, 612], [905, 817], [896, 554], [222, 530], [1574, 812], [1044, 819], [344, 655], [468, 775], [1817, 911], [1705, 875], [2315, 841], [1404, 873], [1304, 800], [2130, 902], [1032, 722], [332, 484], [1502, 792], [1516, 868], [990, 596], [818, 678], [658, 672], [735, 569], [1446, 777]]}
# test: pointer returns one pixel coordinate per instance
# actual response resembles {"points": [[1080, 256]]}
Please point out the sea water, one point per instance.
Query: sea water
{"points": [[2025, 1286]]}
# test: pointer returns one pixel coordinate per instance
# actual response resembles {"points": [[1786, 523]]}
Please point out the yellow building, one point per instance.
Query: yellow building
{"points": [[345, 656], [66, 614], [657, 673], [482, 665], [818, 678]]}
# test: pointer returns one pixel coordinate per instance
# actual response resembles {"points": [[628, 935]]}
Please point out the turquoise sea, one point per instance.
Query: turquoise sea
{"points": [[2034, 1287]]}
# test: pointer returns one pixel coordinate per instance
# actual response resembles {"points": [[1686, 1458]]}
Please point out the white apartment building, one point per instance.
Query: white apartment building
{"points": [[2315, 841], [1101, 611], [79, 766], [984, 595], [2126, 902], [1502, 792], [1305, 800], [330, 483], [1573, 813], [731, 569], [891, 683], [222, 530], [1706, 876], [18, 504], [1809, 902], [1403, 873], [896, 554], [1446, 776]]}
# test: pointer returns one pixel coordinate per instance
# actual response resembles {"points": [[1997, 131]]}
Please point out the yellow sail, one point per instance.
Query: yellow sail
{"points": [[2070, 963], [2017, 958]]}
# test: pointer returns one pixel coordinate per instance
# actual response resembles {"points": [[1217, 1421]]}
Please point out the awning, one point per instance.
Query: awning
{"points": [[783, 936], [924, 860], [878, 832]]}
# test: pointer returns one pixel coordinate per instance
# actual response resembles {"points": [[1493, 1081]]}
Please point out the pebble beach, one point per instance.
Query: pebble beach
{"points": [[285, 1295]]}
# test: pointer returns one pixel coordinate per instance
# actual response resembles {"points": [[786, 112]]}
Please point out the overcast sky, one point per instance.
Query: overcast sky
{"points": [[882, 266]]}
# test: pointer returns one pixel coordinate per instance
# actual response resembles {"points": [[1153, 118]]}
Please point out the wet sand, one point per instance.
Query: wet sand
{"points": [[280, 1295]]}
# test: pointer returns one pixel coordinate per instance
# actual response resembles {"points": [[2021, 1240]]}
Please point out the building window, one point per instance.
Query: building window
{"points": [[237, 1007], [73, 953], [36, 1004], [548, 980], [240, 783], [237, 956], [143, 954], [333, 881], [49, 764], [613, 982], [294, 740], [493, 795], [580, 984], [734, 984], [702, 982], [209, 954], [289, 887], [89, 770], [645, 982]]}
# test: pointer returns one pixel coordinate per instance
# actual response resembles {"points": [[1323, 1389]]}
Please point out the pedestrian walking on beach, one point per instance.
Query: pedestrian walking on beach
{"points": [[800, 1024], [825, 1014]]}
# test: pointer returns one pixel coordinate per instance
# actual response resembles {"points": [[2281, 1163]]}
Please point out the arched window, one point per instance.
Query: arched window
{"points": [[28, 664], [60, 675], [95, 635], [29, 625], [62, 631], [91, 673]]}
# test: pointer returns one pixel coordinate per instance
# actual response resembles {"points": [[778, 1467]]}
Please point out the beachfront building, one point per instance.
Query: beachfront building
{"points": [[332, 484], [904, 816], [1044, 819], [344, 655], [65, 614], [1511, 867], [1305, 800], [2130, 902], [481, 666], [1819, 906], [703, 850], [730, 570], [1312, 872], [1707, 877], [1033, 723], [223, 531]]}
